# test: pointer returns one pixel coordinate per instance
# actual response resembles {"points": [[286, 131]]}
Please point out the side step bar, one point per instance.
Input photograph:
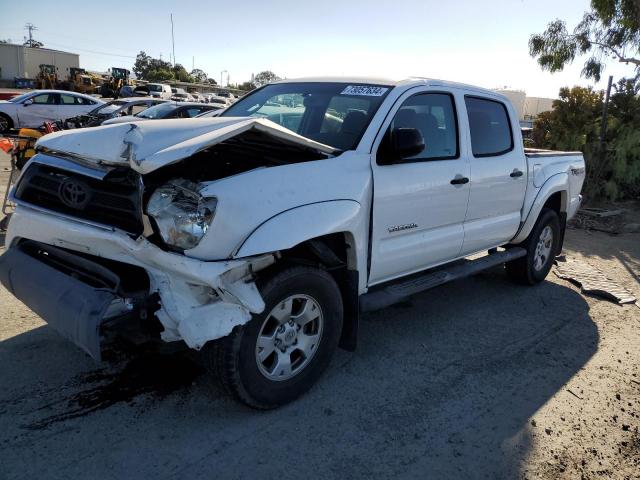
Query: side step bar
{"points": [[397, 291]]}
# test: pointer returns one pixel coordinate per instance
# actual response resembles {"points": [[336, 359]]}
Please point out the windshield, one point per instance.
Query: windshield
{"points": [[335, 114], [108, 108], [154, 88], [157, 111], [20, 98]]}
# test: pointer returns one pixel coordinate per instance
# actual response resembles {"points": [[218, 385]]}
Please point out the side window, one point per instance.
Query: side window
{"points": [[192, 112], [134, 109], [489, 126], [434, 116], [66, 99], [45, 99]]}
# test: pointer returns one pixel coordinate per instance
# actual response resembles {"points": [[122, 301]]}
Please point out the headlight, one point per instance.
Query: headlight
{"points": [[181, 213]]}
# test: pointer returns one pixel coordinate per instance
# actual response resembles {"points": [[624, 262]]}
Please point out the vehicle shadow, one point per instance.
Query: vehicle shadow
{"points": [[442, 386]]}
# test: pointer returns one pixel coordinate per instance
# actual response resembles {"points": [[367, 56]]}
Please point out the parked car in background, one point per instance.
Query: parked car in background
{"points": [[180, 95], [113, 109], [262, 242], [160, 90], [34, 108], [220, 101], [166, 110]]}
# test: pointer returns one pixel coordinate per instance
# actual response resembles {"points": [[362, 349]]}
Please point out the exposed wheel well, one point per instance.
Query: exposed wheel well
{"points": [[334, 253], [557, 203]]}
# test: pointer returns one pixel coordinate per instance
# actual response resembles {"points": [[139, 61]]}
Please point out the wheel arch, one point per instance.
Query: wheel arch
{"points": [[553, 195], [11, 120], [326, 235]]}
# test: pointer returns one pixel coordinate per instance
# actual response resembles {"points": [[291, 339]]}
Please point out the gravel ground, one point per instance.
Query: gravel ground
{"points": [[477, 379]]}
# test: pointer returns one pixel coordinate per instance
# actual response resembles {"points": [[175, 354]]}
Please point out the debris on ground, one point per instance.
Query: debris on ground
{"points": [[593, 281]]}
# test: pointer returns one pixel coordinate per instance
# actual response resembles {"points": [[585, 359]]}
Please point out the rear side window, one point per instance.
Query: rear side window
{"points": [[489, 126]]}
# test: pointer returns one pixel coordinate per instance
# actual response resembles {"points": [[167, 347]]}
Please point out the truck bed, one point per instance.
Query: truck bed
{"points": [[539, 152]]}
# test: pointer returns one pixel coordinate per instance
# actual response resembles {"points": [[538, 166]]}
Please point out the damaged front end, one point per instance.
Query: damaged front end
{"points": [[79, 279], [102, 232]]}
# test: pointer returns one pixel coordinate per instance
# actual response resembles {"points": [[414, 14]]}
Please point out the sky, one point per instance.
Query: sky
{"points": [[480, 42]]}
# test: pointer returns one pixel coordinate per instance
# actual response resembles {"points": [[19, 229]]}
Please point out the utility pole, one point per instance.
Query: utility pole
{"points": [[603, 123], [221, 77], [173, 43], [193, 63], [30, 27]]}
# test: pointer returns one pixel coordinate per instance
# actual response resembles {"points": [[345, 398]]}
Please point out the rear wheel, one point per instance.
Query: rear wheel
{"points": [[542, 247], [282, 352]]}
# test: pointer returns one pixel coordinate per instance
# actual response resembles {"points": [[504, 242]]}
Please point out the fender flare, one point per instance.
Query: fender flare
{"points": [[294, 226], [554, 184]]}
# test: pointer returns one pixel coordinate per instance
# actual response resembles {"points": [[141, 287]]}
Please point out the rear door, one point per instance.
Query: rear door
{"points": [[73, 105], [498, 174], [418, 213]]}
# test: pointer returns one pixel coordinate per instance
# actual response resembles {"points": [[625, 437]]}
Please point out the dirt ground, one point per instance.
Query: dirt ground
{"points": [[476, 379]]}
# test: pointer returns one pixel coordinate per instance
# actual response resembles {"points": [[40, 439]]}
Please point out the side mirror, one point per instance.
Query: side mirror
{"points": [[402, 143], [27, 102]]}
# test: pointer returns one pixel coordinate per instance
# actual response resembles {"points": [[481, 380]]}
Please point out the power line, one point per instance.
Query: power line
{"points": [[77, 39], [91, 51]]}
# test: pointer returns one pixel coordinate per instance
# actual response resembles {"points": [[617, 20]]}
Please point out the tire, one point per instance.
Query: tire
{"points": [[541, 250], [6, 123], [258, 376]]}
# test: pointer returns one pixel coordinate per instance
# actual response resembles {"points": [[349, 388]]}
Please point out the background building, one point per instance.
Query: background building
{"points": [[528, 108], [18, 61]]}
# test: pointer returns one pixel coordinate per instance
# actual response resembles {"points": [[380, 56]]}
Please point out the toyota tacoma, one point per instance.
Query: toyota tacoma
{"points": [[259, 236]]}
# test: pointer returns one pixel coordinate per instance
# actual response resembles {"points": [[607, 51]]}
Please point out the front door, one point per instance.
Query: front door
{"points": [[498, 175], [44, 108], [419, 202]]}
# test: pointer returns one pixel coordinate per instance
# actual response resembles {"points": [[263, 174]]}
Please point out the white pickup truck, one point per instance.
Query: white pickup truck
{"points": [[261, 234]]}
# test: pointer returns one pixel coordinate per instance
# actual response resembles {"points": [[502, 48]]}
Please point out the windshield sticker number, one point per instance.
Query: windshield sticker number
{"points": [[364, 91]]}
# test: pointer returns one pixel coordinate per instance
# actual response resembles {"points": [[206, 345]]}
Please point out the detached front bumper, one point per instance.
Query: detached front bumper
{"points": [[74, 308], [199, 301]]}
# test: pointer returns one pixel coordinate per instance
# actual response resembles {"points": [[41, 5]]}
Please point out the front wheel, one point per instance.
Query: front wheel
{"points": [[6, 123], [542, 247], [282, 352]]}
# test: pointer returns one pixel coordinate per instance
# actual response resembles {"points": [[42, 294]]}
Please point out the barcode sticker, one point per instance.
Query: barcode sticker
{"points": [[364, 90]]}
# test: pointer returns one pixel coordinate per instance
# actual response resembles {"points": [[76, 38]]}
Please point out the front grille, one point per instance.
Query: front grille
{"points": [[113, 201]]}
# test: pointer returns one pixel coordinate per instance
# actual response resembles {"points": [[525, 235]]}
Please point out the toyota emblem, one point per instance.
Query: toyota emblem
{"points": [[74, 194]]}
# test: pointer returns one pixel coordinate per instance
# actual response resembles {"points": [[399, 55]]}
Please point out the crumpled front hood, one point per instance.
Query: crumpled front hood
{"points": [[147, 146]]}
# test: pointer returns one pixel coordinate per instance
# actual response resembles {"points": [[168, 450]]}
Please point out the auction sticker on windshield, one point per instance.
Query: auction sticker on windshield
{"points": [[364, 90]]}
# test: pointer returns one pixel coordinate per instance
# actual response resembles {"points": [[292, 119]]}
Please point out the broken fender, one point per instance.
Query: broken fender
{"points": [[297, 225]]}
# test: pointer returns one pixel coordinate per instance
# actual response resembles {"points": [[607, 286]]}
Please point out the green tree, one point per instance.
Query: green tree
{"points": [[265, 77], [571, 125], [247, 86], [198, 75], [33, 44], [180, 73], [574, 124], [610, 30], [142, 65]]}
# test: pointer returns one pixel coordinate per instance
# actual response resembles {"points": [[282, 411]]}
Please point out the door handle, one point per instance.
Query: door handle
{"points": [[459, 180], [516, 173]]}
